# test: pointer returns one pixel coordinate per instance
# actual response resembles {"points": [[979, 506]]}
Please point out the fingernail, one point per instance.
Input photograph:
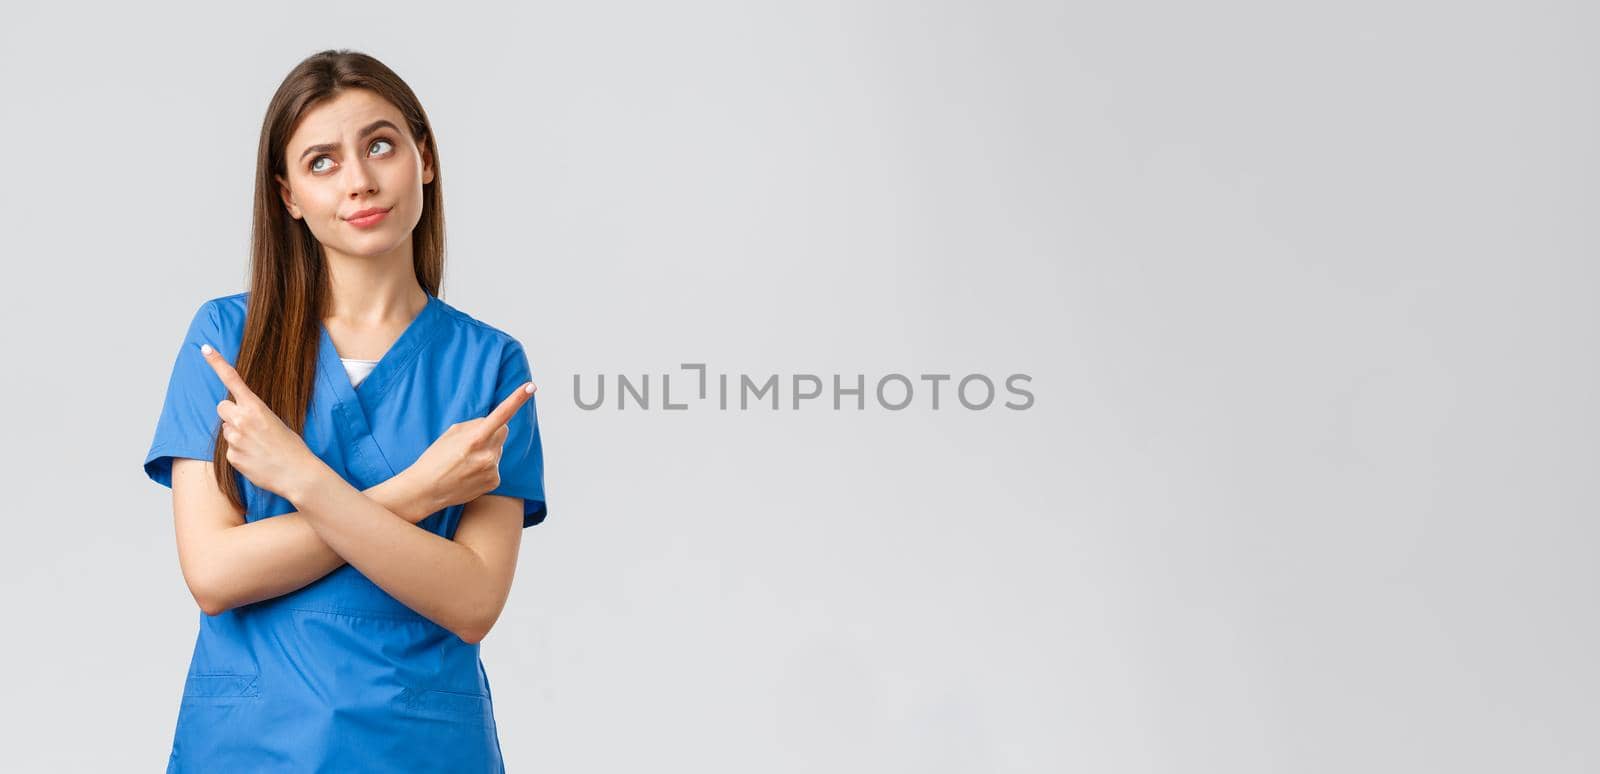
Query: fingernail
{"points": [[529, 389], [205, 349]]}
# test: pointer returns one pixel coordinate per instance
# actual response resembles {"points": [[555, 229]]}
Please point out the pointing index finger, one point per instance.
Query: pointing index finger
{"points": [[225, 371], [508, 407]]}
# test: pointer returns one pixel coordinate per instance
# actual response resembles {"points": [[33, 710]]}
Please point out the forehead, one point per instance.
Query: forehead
{"points": [[340, 117]]}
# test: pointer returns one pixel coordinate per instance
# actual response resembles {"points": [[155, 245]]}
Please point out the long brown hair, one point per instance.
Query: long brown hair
{"points": [[288, 271]]}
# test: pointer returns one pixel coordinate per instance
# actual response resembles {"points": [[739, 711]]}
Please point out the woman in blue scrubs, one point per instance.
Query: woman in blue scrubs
{"points": [[352, 460]]}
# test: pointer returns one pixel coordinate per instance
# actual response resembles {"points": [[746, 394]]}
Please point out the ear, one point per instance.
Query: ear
{"points": [[426, 146], [287, 196]]}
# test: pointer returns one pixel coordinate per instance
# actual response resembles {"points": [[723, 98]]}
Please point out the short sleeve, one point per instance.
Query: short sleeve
{"points": [[522, 456], [188, 423]]}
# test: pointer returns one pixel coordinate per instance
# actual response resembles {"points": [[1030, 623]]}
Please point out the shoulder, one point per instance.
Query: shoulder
{"points": [[222, 316], [229, 310], [220, 321], [500, 353], [477, 333]]}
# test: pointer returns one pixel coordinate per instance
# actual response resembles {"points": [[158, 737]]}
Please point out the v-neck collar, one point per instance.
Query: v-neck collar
{"points": [[391, 364]]}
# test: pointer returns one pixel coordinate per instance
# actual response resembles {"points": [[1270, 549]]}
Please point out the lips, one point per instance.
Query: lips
{"points": [[369, 218], [366, 212]]}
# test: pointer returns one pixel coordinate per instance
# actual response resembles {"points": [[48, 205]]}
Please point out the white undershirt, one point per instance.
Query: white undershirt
{"points": [[357, 369]]}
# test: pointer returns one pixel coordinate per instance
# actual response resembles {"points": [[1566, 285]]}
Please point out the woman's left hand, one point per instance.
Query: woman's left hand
{"points": [[260, 446]]}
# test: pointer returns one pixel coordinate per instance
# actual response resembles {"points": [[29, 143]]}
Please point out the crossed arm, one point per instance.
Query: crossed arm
{"points": [[460, 584]]}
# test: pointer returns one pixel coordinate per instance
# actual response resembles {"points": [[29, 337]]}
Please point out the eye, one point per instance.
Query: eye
{"points": [[375, 141]]}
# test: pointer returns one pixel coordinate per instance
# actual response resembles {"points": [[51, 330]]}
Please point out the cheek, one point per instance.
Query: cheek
{"points": [[403, 188], [320, 212], [312, 198], [403, 180]]}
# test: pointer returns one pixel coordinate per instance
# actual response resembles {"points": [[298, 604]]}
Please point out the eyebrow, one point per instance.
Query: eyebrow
{"points": [[326, 147]]}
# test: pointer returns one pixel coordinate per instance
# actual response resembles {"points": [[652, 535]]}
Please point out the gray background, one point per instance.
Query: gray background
{"points": [[1304, 290]]}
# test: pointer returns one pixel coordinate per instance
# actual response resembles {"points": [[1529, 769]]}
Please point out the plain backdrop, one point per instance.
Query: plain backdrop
{"points": [[1306, 291]]}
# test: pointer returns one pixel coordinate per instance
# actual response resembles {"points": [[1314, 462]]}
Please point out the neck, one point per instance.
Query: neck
{"points": [[371, 289]]}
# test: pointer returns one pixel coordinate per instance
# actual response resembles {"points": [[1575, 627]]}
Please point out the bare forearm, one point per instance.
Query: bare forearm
{"points": [[270, 557], [440, 579]]}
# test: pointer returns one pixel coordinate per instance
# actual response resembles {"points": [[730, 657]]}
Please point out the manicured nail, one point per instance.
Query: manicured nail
{"points": [[529, 389], [205, 349]]}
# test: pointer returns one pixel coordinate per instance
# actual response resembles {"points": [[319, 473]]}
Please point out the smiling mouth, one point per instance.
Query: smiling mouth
{"points": [[368, 220]]}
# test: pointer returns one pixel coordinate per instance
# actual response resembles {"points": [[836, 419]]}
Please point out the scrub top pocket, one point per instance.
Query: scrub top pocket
{"points": [[221, 687]]}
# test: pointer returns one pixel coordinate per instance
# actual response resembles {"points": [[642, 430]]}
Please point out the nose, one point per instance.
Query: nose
{"points": [[361, 180]]}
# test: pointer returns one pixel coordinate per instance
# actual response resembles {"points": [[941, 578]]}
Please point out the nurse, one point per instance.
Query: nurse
{"points": [[352, 460]]}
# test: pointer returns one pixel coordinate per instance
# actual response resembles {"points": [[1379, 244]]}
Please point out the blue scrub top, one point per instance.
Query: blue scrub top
{"points": [[339, 675]]}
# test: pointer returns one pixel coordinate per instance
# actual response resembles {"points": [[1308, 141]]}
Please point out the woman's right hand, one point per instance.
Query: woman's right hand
{"points": [[465, 462]]}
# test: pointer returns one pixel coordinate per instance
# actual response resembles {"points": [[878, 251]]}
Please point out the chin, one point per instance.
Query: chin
{"points": [[369, 248]]}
